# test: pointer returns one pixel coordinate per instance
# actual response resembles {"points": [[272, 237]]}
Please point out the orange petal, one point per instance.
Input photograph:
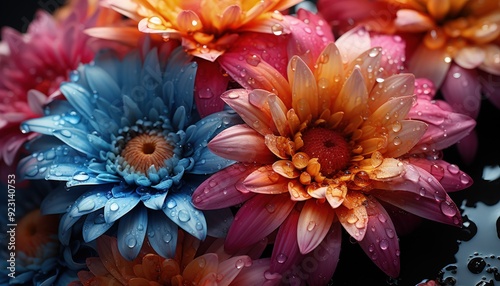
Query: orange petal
{"points": [[403, 136], [265, 180], [304, 89], [314, 222], [353, 220]]}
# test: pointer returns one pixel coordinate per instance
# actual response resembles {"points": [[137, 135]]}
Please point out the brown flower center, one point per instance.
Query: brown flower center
{"points": [[144, 151], [329, 147], [34, 231]]}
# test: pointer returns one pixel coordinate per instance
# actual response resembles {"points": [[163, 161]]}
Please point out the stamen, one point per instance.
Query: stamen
{"points": [[144, 151]]}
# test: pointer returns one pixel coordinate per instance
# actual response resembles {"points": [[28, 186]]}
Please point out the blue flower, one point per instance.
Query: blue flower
{"points": [[30, 247], [131, 147]]}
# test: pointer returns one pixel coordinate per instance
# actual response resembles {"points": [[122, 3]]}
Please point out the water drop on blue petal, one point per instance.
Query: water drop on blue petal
{"points": [[114, 207], [80, 176]]}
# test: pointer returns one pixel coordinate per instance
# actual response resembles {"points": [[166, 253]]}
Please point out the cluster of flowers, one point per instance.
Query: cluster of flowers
{"points": [[214, 142]]}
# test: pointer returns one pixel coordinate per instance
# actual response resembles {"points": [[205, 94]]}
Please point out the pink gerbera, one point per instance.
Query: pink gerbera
{"points": [[348, 139], [32, 65], [232, 41]]}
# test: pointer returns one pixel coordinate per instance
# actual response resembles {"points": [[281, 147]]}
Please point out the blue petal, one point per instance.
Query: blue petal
{"points": [[77, 139], [179, 209], [58, 200], [65, 225], [218, 221], [115, 208], [207, 162], [102, 84], [79, 98], [132, 110], [181, 70], [22, 278], [162, 234], [131, 232], [48, 124], [155, 201], [90, 202], [163, 185], [94, 226], [179, 118]]}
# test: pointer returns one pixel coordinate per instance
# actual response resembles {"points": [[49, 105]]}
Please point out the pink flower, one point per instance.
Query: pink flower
{"points": [[455, 44], [241, 44], [34, 64], [348, 138]]}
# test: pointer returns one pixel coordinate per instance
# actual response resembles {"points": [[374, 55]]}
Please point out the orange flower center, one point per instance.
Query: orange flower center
{"points": [[329, 147], [34, 231], [144, 151]]}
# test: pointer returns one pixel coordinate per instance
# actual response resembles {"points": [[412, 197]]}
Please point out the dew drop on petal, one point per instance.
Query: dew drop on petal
{"points": [[74, 75], [233, 95], [183, 216], [281, 258], [389, 232], [448, 208], [80, 176], [384, 244], [277, 29], [86, 205], [453, 169], [271, 208], [239, 264], [131, 242], [171, 204], [167, 238], [114, 207], [311, 226]]}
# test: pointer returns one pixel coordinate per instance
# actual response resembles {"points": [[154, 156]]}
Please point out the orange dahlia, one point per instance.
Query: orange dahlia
{"points": [[348, 138], [190, 266]]}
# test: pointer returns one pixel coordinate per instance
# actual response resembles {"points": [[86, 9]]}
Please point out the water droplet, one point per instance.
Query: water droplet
{"points": [[199, 226], [131, 242], [389, 232], [448, 208], [183, 216], [86, 204], [167, 238], [281, 258], [277, 29], [171, 204], [233, 95], [253, 60], [114, 207], [81, 176], [271, 208], [453, 169], [476, 265], [239, 264], [206, 93], [311, 226], [66, 133], [140, 227], [74, 76], [382, 218], [384, 244], [374, 52], [31, 171]]}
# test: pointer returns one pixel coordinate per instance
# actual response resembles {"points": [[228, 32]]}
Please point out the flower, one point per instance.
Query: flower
{"points": [[231, 41], [128, 143], [35, 63], [34, 255], [460, 38], [346, 140], [187, 267]]}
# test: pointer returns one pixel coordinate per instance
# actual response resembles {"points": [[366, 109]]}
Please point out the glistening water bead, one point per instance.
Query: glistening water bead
{"points": [[478, 256]]}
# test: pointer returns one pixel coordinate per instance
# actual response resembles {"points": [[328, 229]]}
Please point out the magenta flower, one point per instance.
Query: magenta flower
{"points": [[349, 138], [32, 65]]}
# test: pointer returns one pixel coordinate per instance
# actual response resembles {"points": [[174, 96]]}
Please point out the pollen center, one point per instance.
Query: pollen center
{"points": [[144, 151], [329, 147]]}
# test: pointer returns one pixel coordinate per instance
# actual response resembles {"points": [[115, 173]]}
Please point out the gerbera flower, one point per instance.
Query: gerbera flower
{"points": [[32, 252], [347, 140], [262, 36], [189, 266], [460, 38], [130, 147], [34, 64]]}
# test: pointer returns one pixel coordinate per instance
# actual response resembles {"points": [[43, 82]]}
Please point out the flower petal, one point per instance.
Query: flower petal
{"points": [[115, 208], [180, 210], [462, 90], [449, 175], [162, 234], [267, 213], [219, 191], [210, 83], [381, 242], [94, 226], [131, 232], [231, 267], [418, 64], [314, 222]]}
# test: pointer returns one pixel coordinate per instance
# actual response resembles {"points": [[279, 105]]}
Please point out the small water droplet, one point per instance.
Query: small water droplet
{"points": [[277, 29], [167, 238], [74, 76], [311, 226], [183, 216], [384, 244], [239, 264], [131, 242], [271, 208], [281, 258], [66, 133], [171, 204], [81, 176], [448, 208], [114, 207], [86, 204]]}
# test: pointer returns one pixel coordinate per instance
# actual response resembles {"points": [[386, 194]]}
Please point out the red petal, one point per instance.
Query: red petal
{"points": [[449, 175], [286, 250], [210, 83]]}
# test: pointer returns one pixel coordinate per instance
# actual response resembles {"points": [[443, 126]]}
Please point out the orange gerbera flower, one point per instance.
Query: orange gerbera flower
{"points": [[348, 138]]}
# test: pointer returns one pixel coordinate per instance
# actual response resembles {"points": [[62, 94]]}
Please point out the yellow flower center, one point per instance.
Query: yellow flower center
{"points": [[144, 151], [331, 149]]}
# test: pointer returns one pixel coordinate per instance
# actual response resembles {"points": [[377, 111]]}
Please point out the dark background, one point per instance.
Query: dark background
{"points": [[425, 251]]}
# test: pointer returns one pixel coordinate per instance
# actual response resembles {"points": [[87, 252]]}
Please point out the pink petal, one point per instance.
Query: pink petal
{"points": [[381, 242], [419, 64], [445, 128], [449, 175], [468, 147], [258, 60], [314, 222], [210, 83], [257, 274], [231, 267], [241, 143], [326, 256], [418, 192], [257, 218], [219, 190], [424, 88], [462, 90], [394, 53], [309, 36], [286, 250], [258, 117], [265, 181]]}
